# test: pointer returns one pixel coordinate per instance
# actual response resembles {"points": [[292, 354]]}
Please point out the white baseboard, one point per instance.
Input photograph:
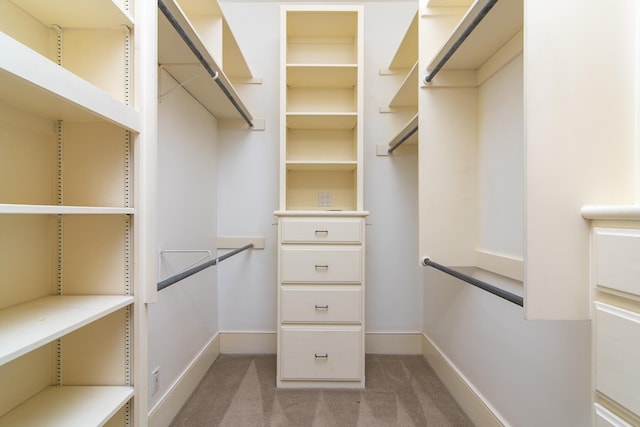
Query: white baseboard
{"points": [[393, 343], [468, 398], [375, 343], [174, 399], [247, 342]]}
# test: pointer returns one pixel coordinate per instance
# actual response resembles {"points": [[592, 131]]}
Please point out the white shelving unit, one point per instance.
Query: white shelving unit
{"points": [[404, 102], [204, 25], [320, 221], [69, 126], [471, 136]]}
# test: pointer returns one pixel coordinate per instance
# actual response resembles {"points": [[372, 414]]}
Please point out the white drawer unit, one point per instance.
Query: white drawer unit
{"points": [[321, 354], [618, 259], [617, 358], [327, 230], [321, 305], [321, 264]]}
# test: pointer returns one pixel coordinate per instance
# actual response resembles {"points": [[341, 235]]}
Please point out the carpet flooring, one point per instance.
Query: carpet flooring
{"points": [[239, 390]]}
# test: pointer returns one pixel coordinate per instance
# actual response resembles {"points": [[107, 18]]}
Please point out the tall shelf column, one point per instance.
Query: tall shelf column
{"points": [[321, 217]]}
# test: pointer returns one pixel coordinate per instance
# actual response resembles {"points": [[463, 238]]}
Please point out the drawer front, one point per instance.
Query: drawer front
{"points": [[618, 355], [314, 354], [321, 265], [326, 230], [300, 305], [618, 259]]}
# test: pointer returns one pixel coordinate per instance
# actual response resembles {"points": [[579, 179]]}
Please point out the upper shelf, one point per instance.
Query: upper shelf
{"points": [[322, 75], [77, 14], [185, 53], [503, 21], [407, 53], [33, 83]]}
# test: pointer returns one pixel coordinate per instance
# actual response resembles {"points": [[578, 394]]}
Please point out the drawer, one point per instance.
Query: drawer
{"points": [[617, 355], [617, 253], [325, 230], [317, 305], [321, 354], [321, 265]]}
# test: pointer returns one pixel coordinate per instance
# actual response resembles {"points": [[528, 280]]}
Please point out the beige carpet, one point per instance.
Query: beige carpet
{"points": [[400, 391]]}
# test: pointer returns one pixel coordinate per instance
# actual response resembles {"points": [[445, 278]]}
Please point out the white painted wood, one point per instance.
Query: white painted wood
{"points": [[25, 327], [321, 230], [406, 55], [501, 24], [33, 83], [607, 418], [321, 75], [238, 242], [617, 259], [500, 264], [69, 406], [177, 395], [407, 94], [63, 210], [71, 14], [314, 264], [611, 212], [617, 351], [304, 351], [179, 61], [311, 304], [472, 402]]}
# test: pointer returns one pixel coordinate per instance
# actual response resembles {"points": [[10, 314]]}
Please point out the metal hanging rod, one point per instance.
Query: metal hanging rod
{"points": [[509, 296], [474, 23], [213, 73], [402, 140], [190, 272]]}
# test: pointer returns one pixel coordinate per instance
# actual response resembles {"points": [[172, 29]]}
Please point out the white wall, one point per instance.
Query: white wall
{"points": [[248, 180], [185, 317]]}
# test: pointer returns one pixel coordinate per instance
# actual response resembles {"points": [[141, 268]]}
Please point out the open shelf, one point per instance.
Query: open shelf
{"points": [[501, 24], [27, 326], [180, 61], [31, 82], [407, 94], [63, 210], [304, 120], [321, 165], [92, 14], [322, 75], [406, 55], [69, 406], [404, 132]]}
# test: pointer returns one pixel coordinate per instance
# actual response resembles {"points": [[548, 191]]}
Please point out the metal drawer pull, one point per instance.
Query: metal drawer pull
{"points": [[321, 356], [322, 267], [322, 307], [325, 232]]}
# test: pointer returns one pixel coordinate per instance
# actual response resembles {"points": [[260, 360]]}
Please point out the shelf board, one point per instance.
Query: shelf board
{"points": [[407, 94], [407, 53], [69, 406], [321, 120], [63, 210], [406, 129], [27, 326], [504, 20], [295, 165], [76, 14], [322, 75], [31, 82], [330, 23], [180, 62]]}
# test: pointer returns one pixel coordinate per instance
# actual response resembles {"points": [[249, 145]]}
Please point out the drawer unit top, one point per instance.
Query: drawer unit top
{"points": [[322, 230]]}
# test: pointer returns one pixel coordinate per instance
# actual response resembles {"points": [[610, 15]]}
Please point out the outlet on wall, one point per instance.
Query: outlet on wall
{"points": [[325, 199], [155, 380]]}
